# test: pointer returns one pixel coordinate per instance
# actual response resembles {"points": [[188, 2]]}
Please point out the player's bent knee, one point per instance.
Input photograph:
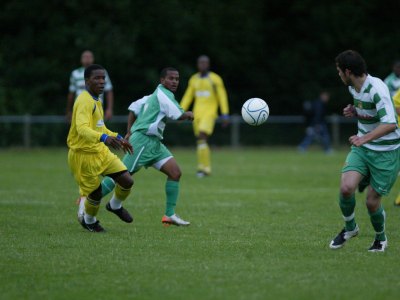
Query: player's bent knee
{"points": [[373, 202], [96, 194], [175, 175], [126, 181], [129, 183], [347, 190]]}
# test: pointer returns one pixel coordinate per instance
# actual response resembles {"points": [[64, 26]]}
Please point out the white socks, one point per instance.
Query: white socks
{"points": [[89, 219], [81, 208], [81, 212], [115, 203]]}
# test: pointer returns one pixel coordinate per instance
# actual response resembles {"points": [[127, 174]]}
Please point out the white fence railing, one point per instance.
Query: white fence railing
{"points": [[27, 121]]}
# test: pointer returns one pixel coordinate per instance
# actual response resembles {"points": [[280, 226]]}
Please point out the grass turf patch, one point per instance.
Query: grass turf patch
{"points": [[261, 225]]}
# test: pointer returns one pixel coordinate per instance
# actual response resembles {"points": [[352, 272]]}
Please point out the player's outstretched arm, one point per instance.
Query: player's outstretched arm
{"points": [[222, 101], [188, 97], [222, 97], [188, 115], [131, 120]]}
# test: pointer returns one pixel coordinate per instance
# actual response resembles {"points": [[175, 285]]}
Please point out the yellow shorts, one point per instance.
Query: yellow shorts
{"points": [[87, 167], [204, 124]]}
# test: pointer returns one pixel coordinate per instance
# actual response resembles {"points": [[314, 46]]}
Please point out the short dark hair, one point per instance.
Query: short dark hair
{"points": [[165, 71], [90, 69], [203, 56], [352, 61]]}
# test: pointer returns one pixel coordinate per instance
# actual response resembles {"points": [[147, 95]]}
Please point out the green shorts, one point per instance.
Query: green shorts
{"points": [[147, 151], [380, 169]]}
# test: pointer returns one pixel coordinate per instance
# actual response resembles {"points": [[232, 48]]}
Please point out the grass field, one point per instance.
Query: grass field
{"points": [[260, 230]]}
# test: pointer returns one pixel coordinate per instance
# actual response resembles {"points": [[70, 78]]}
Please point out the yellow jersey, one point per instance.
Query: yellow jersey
{"points": [[396, 100], [208, 93], [87, 125]]}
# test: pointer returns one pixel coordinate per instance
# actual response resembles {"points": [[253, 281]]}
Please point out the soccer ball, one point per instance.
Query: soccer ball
{"points": [[255, 111]]}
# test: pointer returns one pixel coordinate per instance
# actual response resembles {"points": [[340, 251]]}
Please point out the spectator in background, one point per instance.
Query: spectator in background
{"points": [[317, 129], [393, 80], [77, 86]]}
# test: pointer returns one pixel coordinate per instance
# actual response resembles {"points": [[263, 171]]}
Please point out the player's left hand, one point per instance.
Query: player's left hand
{"points": [[225, 121], [357, 140], [126, 146], [188, 115], [108, 114]]}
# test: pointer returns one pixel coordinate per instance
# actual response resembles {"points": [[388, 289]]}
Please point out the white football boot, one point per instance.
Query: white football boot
{"points": [[174, 220]]}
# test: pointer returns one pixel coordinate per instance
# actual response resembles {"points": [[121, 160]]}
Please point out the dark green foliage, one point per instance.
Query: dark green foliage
{"points": [[282, 51]]}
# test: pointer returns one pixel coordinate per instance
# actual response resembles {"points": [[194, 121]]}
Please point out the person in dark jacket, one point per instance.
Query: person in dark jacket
{"points": [[317, 129]]}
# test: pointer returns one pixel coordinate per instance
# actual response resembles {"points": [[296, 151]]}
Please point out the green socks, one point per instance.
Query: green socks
{"points": [[172, 192], [107, 186], [378, 222], [347, 206]]}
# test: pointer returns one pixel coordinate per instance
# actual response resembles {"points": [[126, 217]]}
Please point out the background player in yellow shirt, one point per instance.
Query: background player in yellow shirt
{"points": [[207, 91], [396, 100], [89, 157]]}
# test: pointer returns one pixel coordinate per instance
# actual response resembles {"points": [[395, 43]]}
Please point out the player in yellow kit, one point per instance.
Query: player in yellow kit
{"points": [[89, 157], [396, 100], [207, 91]]}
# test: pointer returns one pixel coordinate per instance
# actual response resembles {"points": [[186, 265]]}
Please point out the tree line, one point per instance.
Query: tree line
{"points": [[282, 51]]}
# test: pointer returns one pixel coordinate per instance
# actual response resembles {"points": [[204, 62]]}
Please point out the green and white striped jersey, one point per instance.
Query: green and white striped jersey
{"points": [[393, 83], [375, 106], [77, 82], [155, 110]]}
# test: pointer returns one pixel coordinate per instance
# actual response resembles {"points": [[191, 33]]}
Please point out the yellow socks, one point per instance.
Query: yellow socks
{"points": [[397, 202], [91, 209], [120, 195], [203, 157]]}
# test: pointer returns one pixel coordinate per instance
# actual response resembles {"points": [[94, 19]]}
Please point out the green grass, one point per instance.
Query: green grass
{"points": [[260, 230]]}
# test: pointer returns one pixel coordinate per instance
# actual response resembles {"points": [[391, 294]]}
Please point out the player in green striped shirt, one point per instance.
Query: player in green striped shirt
{"points": [[77, 86], [393, 79], [373, 161]]}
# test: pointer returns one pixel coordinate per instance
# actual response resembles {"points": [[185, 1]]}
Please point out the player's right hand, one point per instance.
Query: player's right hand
{"points": [[113, 142], [126, 146], [119, 144], [349, 111]]}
